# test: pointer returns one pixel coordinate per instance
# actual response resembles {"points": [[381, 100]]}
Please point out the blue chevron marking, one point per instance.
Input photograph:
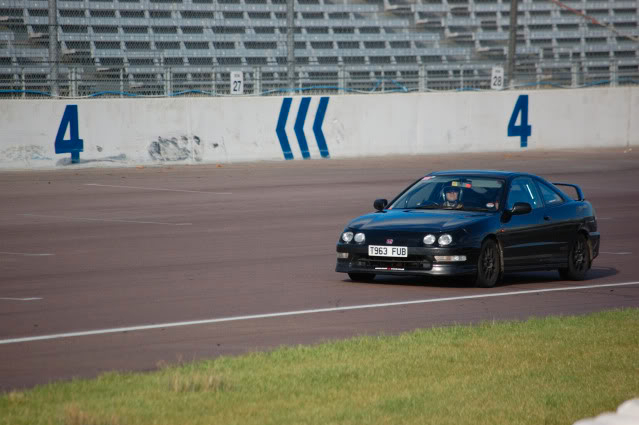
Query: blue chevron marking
{"points": [[299, 127], [281, 132], [317, 127]]}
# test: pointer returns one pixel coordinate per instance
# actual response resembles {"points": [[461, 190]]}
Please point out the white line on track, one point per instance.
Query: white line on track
{"points": [[616, 253], [20, 299], [302, 312], [105, 219], [26, 254], [155, 188]]}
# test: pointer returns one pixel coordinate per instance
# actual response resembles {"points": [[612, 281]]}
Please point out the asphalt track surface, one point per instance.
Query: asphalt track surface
{"points": [[103, 249]]}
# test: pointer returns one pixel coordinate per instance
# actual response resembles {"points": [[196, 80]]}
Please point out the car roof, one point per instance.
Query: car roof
{"points": [[500, 174]]}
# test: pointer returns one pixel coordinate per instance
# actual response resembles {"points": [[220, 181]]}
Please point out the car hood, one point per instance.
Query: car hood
{"points": [[418, 220]]}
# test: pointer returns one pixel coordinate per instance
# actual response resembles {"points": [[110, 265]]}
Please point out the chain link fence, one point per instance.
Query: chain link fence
{"points": [[79, 82], [131, 48]]}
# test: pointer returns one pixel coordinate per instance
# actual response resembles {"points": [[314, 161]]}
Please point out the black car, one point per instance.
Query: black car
{"points": [[476, 223]]}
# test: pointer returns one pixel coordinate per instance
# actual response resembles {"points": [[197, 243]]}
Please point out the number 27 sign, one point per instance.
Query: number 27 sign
{"points": [[237, 82]]}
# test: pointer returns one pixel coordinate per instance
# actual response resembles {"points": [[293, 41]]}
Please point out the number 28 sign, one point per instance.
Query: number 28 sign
{"points": [[497, 78], [237, 82]]}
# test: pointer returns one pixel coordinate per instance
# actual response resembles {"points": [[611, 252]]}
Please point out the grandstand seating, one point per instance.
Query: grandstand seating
{"points": [[151, 46]]}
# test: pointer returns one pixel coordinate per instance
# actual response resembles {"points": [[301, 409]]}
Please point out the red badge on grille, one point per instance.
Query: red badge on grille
{"points": [[389, 241]]}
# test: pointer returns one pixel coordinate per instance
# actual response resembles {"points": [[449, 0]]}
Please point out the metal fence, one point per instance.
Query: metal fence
{"points": [[128, 48], [80, 82]]}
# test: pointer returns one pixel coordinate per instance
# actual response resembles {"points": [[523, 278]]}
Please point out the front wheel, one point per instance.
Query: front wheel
{"points": [[488, 265], [361, 277], [578, 260]]}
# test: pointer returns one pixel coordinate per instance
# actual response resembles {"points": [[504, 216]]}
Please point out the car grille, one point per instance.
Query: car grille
{"points": [[411, 262], [399, 238]]}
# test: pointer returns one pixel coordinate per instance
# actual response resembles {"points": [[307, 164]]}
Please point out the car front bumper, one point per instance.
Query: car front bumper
{"points": [[420, 261]]}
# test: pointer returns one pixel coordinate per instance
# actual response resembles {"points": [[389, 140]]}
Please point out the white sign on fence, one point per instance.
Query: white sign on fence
{"points": [[497, 78], [237, 82]]}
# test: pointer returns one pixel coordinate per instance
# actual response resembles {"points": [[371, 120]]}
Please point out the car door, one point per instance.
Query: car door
{"points": [[525, 238], [560, 217]]}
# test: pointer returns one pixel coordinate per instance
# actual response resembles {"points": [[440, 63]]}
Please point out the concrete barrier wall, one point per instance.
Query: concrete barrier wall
{"points": [[125, 132]]}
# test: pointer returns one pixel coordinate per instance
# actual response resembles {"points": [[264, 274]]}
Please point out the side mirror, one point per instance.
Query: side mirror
{"points": [[521, 208], [380, 204]]}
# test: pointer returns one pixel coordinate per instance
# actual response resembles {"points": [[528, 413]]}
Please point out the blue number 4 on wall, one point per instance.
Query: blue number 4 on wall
{"points": [[523, 130], [73, 145]]}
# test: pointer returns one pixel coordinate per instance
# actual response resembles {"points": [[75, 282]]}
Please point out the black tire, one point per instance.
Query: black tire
{"points": [[361, 277], [488, 265], [578, 260]]}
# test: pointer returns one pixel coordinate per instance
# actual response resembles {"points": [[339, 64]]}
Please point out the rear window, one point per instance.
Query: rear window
{"points": [[550, 196]]}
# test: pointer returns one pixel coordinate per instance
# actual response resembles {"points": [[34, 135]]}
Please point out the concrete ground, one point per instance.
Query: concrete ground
{"points": [[98, 249]]}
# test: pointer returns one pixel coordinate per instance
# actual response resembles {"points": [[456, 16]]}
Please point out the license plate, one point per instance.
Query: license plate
{"points": [[387, 251]]}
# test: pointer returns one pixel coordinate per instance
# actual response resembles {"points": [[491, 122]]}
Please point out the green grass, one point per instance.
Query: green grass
{"points": [[542, 371]]}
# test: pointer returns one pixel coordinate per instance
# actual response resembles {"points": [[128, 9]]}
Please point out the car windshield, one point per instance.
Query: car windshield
{"points": [[466, 193]]}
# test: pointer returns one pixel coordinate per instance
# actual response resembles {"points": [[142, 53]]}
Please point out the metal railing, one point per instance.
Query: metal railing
{"points": [[163, 81]]}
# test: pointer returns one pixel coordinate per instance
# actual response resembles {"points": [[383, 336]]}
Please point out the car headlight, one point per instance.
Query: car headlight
{"points": [[347, 236], [445, 239], [429, 239], [360, 238]]}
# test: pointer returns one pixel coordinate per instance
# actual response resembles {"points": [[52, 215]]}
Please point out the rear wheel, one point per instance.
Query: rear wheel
{"points": [[488, 265], [578, 260], [361, 277]]}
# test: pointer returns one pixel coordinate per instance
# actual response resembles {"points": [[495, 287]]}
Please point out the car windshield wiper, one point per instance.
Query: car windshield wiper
{"points": [[428, 206], [480, 209]]}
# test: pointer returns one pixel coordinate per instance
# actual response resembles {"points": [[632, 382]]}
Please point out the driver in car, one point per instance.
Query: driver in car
{"points": [[452, 197]]}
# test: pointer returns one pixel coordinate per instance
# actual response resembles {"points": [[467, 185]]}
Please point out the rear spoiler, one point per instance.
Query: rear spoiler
{"points": [[580, 194]]}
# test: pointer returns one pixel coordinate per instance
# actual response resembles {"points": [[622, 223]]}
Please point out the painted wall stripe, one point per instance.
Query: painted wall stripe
{"points": [[305, 312], [108, 220], [317, 127], [155, 188], [280, 131], [21, 299], [26, 254], [299, 127]]}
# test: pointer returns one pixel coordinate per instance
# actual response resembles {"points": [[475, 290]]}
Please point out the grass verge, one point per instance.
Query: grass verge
{"points": [[552, 370]]}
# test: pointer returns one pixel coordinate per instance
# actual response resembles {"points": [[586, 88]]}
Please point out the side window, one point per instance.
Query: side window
{"points": [[523, 189], [550, 196]]}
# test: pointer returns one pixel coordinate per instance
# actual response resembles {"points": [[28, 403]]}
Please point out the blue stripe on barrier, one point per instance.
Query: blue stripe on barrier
{"points": [[317, 127], [280, 131], [299, 127], [300, 119]]}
